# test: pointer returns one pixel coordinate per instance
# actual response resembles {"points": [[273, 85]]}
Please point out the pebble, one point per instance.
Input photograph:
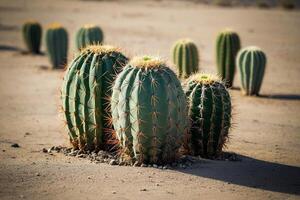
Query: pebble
{"points": [[37, 174], [45, 150], [15, 145], [114, 192], [136, 164], [154, 165], [144, 165], [144, 189]]}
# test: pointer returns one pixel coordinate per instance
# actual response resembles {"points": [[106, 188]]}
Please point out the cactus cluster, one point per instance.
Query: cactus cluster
{"points": [[210, 114], [227, 47], [88, 35], [185, 57], [251, 62], [32, 33], [57, 45], [85, 95], [149, 111]]}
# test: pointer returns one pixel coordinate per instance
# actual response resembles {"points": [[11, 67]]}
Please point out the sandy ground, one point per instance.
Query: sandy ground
{"points": [[266, 133]]}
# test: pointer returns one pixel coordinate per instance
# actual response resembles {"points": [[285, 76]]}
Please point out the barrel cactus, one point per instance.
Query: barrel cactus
{"points": [[32, 33], [210, 114], [87, 35], [57, 45], [251, 62], [227, 47], [85, 95], [185, 57], [149, 111]]}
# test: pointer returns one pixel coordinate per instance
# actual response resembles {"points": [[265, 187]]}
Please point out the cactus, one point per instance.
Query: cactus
{"points": [[88, 35], [57, 45], [210, 114], [85, 95], [32, 33], [251, 62], [149, 111], [227, 47], [185, 57]]}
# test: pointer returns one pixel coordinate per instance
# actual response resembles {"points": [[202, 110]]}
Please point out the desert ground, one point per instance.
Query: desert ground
{"points": [[266, 132]]}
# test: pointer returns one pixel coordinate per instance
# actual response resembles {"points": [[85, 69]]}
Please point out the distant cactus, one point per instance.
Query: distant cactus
{"points": [[210, 113], [57, 45], [85, 95], [149, 111], [185, 57], [32, 33], [251, 62], [87, 35], [227, 47]]}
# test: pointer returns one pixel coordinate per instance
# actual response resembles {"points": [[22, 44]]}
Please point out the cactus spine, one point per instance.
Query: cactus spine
{"points": [[149, 111], [57, 45], [227, 47], [251, 62], [210, 113], [85, 95], [32, 33], [87, 35], [185, 57]]}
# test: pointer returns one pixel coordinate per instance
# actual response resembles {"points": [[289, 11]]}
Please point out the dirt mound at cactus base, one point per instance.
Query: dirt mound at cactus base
{"points": [[265, 137]]}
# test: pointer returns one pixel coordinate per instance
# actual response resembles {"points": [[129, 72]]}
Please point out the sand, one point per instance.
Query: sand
{"points": [[266, 132]]}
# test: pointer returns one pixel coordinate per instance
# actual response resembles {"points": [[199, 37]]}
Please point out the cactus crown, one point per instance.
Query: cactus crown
{"points": [[205, 78], [228, 31], [31, 22], [185, 41], [100, 49], [147, 62], [253, 48], [55, 25], [88, 26]]}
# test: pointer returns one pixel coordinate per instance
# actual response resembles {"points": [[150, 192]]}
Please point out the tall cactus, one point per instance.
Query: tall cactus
{"points": [[85, 95], [149, 111], [87, 35], [32, 33], [210, 113], [227, 47], [57, 45], [251, 62], [185, 57]]}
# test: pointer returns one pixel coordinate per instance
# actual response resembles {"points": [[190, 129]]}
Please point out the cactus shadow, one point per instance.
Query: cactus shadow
{"points": [[9, 48], [252, 173], [282, 96]]}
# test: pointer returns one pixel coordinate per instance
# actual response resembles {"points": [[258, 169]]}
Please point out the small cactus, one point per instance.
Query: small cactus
{"points": [[185, 57], [57, 45], [251, 62], [210, 114], [85, 95], [88, 35], [227, 47], [149, 111], [32, 33]]}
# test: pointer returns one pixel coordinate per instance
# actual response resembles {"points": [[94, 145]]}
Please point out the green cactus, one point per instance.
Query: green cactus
{"points": [[251, 62], [227, 47], [86, 93], [57, 45], [149, 111], [87, 35], [32, 33], [210, 114], [185, 57]]}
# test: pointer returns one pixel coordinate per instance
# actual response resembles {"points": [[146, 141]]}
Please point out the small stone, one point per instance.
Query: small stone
{"points": [[157, 184], [144, 189], [144, 165], [72, 153], [37, 174], [15, 145], [136, 164], [21, 196], [89, 177], [121, 163], [165, 167], [49, 150], [114, 192], [113, 162], [3, 150], [45, 150], [154, 165], [160, 167]]}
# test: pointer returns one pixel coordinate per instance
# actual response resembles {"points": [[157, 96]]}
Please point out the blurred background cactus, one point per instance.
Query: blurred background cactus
{"points": [[210, 113], [86, 93], [32, 33], [185, 57], [57, 45], [227, 47], [251, 62], [149, 111], [87, 35]]}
